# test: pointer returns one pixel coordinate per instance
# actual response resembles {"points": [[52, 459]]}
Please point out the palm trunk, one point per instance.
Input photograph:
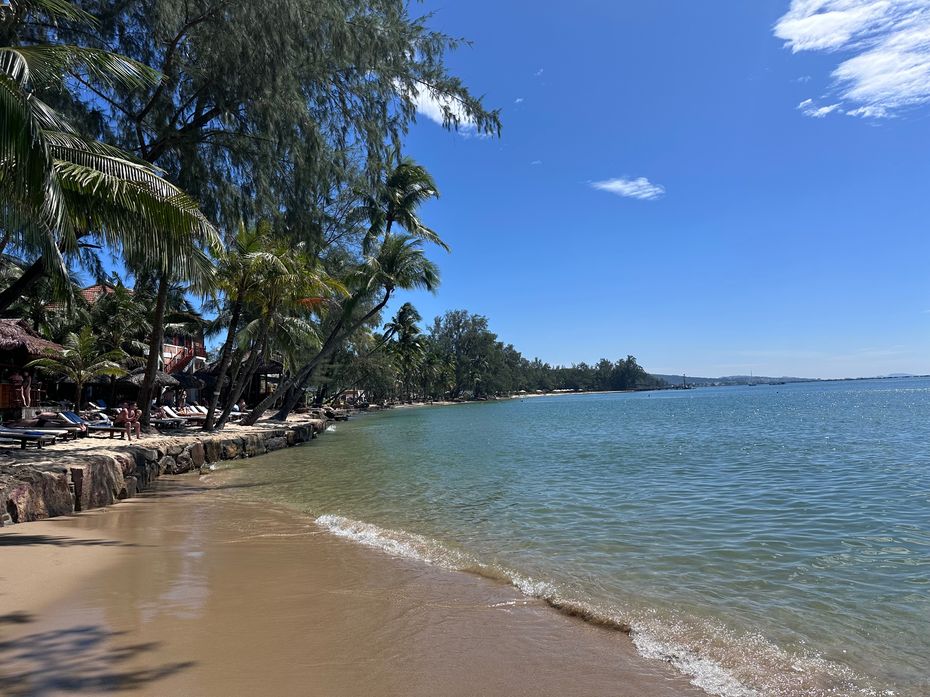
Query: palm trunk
{"points": [[19, 287], [235, 392], [155, 349], [303, 375], [259, 347], [291, 402], [225, 361]]}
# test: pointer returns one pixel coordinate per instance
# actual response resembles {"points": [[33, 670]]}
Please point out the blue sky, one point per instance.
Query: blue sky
{"points": [[715, 187]]}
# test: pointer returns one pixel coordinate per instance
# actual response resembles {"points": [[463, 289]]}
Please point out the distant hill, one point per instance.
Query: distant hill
{"points": [[675, 380]]}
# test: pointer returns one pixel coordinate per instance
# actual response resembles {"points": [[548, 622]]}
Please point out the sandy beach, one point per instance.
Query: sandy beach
{"points": [[185, 591]]}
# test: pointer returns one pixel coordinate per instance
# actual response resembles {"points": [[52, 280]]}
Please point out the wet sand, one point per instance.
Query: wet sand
{"points": [[187, 592]]}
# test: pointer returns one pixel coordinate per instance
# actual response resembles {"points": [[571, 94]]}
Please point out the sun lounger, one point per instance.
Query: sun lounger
{"points": [[95, 427], [169, 423], [64, 433], [24, 437], [188, 418]]}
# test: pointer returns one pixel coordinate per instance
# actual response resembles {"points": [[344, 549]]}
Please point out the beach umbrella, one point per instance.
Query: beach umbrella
{"points": [[188, 381], [137, 377]]}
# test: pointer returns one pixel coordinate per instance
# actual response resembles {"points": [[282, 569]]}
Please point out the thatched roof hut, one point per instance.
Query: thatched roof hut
{"points": [[137, 377], [18, 337], [189, 381]]}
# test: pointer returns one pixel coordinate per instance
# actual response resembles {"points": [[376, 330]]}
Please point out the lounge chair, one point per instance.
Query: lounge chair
{"points": [[24, 437], [65, 432], [187, 418], [95, 428], [168, 422]]}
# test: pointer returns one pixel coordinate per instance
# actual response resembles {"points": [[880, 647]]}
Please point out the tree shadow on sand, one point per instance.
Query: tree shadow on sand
{"points": [[77, 660], [14, 540]]}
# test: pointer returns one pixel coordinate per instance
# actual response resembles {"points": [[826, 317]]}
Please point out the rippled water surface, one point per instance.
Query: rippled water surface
{"points": [[768, 540]]}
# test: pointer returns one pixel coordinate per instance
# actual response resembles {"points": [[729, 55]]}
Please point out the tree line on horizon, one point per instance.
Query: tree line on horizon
{"points": [[458, 357]]}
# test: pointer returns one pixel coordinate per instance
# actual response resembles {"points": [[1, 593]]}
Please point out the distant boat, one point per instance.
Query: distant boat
{"points": [[751, 383]]}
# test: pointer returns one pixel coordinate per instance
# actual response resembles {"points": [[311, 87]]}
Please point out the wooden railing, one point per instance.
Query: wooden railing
{"points": [[180, 360]]}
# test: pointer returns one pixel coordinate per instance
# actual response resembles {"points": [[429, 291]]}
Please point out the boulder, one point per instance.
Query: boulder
{"points": [[130, 489], [166, 464], [100, 479], [253, 444], [213, 449], [231, 448], [183, 463], [35, 492], [174, 450], [276, 443], [197, 454]]}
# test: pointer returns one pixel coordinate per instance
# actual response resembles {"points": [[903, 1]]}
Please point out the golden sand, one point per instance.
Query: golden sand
{"points": [[188, 592]]}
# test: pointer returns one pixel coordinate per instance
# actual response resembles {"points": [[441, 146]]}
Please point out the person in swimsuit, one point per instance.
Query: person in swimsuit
{"points": [[123, 420]]}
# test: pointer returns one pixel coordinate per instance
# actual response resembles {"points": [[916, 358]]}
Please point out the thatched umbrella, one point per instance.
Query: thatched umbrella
{"points": [[16, 335], [188, 381], [137, 377]]}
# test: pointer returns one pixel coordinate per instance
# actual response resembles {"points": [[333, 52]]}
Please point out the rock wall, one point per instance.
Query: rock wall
{"points": [[74, 481]]}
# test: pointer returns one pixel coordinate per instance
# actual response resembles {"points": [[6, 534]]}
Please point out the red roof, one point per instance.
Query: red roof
{"points": [[93, 293]]}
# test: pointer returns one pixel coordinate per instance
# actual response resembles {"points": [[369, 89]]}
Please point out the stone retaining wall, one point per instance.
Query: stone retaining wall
{"points": [[64, 483]]}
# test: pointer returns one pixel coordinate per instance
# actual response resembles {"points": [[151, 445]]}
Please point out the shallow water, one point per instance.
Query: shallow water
{"points": [[770, 540]]}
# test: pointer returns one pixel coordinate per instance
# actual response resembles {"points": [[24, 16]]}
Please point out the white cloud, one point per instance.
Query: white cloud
{"points": [[818, 112], [640, 188], [870, 112], [432, 107], [536, 162], [889, 43], [538, 72], [518, 100]]}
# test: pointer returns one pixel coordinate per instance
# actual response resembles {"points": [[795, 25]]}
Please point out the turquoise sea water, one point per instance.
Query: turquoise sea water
{"points": [[768, 540]]}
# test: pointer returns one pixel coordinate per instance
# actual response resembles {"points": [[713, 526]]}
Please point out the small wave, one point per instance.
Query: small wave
{"points": [[331, 428], [654, 638]]}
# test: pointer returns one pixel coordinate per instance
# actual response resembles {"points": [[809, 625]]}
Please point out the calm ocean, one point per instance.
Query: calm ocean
{"points": [[768, 540]]}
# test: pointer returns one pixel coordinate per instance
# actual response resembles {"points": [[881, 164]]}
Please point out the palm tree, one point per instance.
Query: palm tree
{"points": [[58, 186], [120, 322], [268, 287], [81, 361], [280, 323], [405, 188], [399, 264], [238, 280], [408, 345]]}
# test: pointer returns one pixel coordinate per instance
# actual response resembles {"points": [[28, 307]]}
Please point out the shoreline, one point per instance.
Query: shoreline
{"points": [[186, 590]]}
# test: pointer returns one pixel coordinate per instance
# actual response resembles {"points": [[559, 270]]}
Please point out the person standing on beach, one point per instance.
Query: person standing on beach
{"points": [[16, 380], [27, 390]]}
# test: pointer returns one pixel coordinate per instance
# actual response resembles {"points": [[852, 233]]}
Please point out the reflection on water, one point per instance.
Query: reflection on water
{"points": [[774, 539]]}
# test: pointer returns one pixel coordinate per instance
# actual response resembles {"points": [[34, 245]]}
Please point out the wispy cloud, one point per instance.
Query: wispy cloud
{"points": [[818, 112], [536, 162], [539, 72], [640, 188], [889, 40], [518, 100]]}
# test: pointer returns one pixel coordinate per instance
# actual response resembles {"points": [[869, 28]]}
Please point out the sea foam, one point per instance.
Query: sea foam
{"points": [[704, 672]]}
